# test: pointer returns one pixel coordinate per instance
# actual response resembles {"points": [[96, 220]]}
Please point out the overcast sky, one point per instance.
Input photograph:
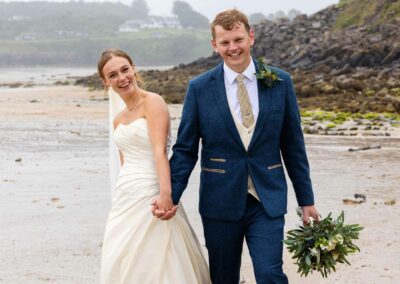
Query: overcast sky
{"points": [[210, 8]]}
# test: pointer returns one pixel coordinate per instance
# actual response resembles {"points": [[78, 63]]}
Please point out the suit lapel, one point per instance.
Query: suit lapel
{"points": [[264, 101], [218, 84]]}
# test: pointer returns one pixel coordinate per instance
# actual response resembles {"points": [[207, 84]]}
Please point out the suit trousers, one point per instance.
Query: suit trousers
{"points": [[264, 235]]}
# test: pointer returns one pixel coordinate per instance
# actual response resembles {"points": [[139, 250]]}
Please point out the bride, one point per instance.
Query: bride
{"points": [[138, 247]]}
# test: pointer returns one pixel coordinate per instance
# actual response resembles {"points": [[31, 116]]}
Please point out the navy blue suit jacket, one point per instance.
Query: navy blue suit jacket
{"points": [[225, 162]]}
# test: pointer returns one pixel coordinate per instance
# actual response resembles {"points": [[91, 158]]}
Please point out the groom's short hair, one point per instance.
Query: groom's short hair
{"points": [[229, 19]]}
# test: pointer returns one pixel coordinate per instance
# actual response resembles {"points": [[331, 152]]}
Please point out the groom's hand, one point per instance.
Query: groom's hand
{"points": [[310, 211], [170, 213], [163, 214]]}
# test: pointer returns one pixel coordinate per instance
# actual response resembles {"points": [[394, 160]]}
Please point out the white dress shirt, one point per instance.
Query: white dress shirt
{"points": [[250, 82]]}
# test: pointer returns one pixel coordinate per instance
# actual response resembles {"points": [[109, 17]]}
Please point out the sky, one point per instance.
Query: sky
{"points": [[210, 8]]}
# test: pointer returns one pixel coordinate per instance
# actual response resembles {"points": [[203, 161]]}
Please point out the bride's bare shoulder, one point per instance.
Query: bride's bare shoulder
{"points": [[154, 104], [153, 99]]}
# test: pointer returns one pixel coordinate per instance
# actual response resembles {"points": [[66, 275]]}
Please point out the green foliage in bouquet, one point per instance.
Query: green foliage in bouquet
{"points": [[322, 244]]}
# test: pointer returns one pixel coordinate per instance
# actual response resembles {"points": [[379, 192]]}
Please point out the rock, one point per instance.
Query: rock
{"points": [[75, 132], [383, 92], [361, 196], [300, 18], [346, 69], [392, 82], [301, 29], [365, 148], [327, 88], [375, 38], [310, 130], [316, 25], [390, 202], [279, 37], [332, 132], [345, 83], [393, 54]]}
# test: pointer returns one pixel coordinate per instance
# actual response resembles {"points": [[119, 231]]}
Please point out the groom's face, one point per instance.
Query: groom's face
{"points": [[234, 46]]}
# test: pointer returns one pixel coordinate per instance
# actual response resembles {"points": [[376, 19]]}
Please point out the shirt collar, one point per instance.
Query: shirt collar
{"points": [[248, 72]]}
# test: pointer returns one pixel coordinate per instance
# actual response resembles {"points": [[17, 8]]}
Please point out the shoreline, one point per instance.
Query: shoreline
{"points": [[55, 192], [314, 122]]}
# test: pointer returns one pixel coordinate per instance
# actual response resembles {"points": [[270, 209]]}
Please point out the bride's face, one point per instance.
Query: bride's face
{"points": [[120, 75]]}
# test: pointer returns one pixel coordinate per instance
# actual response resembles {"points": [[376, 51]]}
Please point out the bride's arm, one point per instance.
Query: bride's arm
{"points": [[158, 123], [116, 121]]}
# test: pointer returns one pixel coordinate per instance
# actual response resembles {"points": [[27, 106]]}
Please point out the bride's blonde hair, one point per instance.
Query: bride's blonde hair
{"points": [[109, 53]]}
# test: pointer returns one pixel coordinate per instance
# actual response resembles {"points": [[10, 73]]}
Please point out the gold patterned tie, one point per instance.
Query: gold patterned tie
{"points": [[244, 102]]}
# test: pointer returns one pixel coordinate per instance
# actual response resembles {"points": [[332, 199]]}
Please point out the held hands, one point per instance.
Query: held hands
{"points": [[163, 207], [310, 212]]}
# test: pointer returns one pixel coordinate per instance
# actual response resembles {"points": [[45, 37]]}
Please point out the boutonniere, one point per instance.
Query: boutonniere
{"points": [[266, 74]]}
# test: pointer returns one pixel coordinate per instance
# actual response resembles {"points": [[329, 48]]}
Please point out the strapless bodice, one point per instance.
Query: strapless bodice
{"points": [[134, 142]]}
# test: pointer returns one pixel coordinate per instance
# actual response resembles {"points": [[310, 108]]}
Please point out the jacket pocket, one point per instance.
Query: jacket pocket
{"points": [[274, 166], [213, 170], [217, 160]]}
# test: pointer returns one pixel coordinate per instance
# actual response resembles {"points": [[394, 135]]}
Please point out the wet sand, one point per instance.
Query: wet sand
{"points": [[55, 192]]}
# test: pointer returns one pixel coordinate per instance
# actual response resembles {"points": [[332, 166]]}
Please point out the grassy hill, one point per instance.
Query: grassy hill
{"points": [[45, 18], [367, 12], [74, 33], [149, 47]]}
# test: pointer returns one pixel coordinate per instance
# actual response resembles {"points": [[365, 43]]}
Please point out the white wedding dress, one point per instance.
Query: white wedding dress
{"points": [[138, 247]]}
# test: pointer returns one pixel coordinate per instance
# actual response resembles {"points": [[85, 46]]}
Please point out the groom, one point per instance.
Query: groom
{"points": [[246, 127]]}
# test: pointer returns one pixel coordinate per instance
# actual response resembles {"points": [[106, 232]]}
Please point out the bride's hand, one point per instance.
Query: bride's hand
{"points": [[163, 207]]}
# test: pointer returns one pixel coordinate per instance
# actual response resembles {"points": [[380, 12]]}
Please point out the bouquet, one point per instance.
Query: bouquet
{"points": [[321, 245]]}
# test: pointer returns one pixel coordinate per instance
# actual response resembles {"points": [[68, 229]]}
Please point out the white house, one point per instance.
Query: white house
{"points": [[26, 36], [153, 22]]}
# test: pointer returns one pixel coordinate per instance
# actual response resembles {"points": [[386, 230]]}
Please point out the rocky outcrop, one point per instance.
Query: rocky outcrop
{"points": [[356, 69], [314, 43]]}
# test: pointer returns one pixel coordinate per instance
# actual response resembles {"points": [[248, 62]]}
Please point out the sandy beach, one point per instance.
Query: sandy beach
{"points": [[55, 192]]}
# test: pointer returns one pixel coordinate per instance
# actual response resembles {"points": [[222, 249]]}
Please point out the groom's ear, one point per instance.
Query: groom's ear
{"points": [[251, 35], [214, 45]]}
